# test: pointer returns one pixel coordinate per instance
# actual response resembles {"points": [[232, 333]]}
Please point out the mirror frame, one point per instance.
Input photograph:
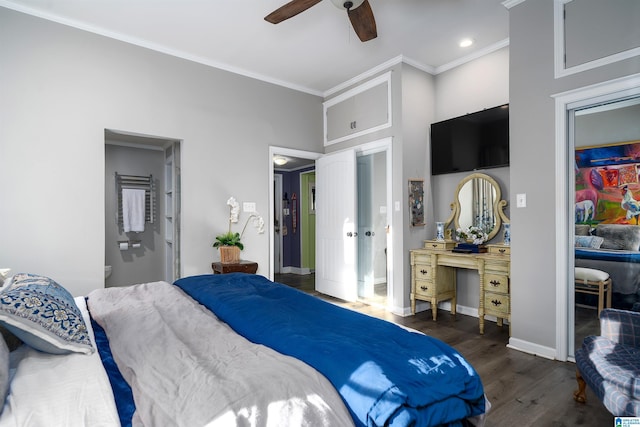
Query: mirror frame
{"points": [[498, 206]]}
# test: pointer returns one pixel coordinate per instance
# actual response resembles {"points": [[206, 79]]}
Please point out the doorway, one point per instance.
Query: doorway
{"points": [[152, 251], [599, 132], [367, 277], [371, 173], [291, 229], [566, 103]]}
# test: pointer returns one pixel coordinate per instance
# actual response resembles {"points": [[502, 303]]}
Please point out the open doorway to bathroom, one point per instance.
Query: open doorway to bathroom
{"points": [[146, 249]]}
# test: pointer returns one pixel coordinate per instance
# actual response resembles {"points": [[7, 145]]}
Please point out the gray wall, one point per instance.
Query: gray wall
{"points": [[480, 84], [532, 149], [62, 87]]}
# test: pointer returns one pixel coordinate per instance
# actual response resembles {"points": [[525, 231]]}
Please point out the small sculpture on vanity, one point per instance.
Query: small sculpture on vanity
{"points": [[440, 231], [506, 234]]}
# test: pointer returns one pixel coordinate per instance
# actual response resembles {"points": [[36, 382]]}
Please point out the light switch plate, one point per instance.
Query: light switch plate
{"points": [[521, 200], [248, 206]]}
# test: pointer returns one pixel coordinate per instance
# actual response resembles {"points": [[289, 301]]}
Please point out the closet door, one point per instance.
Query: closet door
{"points": [[336, 228]]}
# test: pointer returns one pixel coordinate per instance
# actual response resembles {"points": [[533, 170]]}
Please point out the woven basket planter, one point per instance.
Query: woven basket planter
{"points": [[229, 254]]}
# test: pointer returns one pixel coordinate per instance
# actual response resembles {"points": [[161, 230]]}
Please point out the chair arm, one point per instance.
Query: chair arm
{"points": [[620, 326]]}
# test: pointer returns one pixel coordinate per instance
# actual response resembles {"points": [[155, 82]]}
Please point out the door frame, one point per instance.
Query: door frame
{"points": [[565, 192], [273, 151]]}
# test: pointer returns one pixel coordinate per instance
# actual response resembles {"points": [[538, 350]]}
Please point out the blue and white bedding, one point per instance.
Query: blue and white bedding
{"points": [[238, 349], [386, 375]]}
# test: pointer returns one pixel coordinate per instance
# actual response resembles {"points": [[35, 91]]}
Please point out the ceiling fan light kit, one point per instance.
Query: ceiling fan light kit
{"points": [[359, 11], [342, 4]]}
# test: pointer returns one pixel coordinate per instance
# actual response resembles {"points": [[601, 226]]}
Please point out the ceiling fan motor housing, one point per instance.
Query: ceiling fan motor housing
{"points": [[348, 5]]}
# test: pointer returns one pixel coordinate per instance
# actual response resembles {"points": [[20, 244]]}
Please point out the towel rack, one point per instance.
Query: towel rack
{"points": [[136, 182]]}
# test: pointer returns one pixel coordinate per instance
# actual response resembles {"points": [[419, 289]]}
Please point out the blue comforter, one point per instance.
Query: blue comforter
{"points": [[386, 375]]}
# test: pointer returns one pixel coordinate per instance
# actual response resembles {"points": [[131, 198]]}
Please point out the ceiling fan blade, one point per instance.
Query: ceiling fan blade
{"points": [[290, 9], [363, 22]]}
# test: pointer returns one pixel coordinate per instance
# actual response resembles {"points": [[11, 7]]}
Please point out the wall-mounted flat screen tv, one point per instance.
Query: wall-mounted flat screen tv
{"points": [[474, 141]]}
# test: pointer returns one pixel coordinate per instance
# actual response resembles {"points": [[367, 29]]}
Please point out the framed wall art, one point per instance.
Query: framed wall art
{"points": [[416, 202]]}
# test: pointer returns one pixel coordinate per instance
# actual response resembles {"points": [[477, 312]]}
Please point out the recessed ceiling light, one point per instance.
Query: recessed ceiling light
{"points": [[466, 42]]}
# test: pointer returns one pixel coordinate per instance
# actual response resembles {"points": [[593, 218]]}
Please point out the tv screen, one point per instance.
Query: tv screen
{"points": [[475, 141]]}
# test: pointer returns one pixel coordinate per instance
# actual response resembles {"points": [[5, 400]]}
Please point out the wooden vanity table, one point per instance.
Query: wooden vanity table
{"points": [[433, 279], [433, 267]]}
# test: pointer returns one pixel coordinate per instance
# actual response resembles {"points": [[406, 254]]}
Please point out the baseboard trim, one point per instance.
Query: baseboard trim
{"points": [[295, 270], [532, 348]]}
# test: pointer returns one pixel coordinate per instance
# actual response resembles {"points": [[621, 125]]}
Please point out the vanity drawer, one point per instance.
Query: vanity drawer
{"points": [[439, 245], [422, 272], [496, 303], [499, 250], [420, 256], [424, 288], [496, 283]]}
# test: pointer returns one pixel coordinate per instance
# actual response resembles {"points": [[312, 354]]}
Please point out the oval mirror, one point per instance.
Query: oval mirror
{"points": [[478, 203]]}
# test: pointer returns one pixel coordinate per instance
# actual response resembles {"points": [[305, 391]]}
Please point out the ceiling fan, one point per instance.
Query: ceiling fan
{"points": [[359, 11]]}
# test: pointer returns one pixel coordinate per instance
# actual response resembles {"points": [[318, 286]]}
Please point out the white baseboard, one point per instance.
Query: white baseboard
{"points": [[295, 270], [532, 348], [514, 343]]}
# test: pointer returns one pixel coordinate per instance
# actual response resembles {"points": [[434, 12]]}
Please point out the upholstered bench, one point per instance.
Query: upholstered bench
{"points": [[594, 282], [610, 363]]}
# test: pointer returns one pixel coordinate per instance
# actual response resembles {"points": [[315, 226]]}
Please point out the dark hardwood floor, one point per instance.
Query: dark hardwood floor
{"points": [[524, 390]]}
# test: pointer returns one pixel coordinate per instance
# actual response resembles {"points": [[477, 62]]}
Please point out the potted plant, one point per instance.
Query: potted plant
{"points": [[472, 235], [230, 243]]}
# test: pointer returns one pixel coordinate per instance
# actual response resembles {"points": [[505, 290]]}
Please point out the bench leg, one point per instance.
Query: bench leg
{"points": [[580, 394]]}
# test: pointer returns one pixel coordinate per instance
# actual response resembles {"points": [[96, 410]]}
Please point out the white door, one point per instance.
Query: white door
{"points": [[336, 228]]}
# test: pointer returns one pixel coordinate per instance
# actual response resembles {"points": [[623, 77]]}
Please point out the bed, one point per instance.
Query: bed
{"points": [[613, 248], [220, 350]]}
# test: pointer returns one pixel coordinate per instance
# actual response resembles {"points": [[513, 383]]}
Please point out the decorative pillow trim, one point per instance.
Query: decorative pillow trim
{"points": [[44, 315]]}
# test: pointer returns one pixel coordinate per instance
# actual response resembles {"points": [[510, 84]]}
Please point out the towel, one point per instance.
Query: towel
{"points": [[133, 210]]}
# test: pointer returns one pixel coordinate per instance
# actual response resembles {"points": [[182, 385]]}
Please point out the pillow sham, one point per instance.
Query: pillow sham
{"points": [[593, 242], [43, 315]]}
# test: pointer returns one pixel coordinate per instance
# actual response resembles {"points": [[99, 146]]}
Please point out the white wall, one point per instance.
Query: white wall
{"points": [[61, 88]]}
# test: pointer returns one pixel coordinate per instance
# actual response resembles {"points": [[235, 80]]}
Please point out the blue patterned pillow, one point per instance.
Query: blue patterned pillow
{"points": [[593, 242], [43, 314]]}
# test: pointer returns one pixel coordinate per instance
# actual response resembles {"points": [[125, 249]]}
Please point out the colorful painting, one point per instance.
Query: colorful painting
{"points": [[607, 184]]}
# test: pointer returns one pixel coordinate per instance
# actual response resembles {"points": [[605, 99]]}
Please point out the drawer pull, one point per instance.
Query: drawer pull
{"points": [[495, 283], [435, 245], [423, 271], [502, 251], [424, 288], [496, 302]]}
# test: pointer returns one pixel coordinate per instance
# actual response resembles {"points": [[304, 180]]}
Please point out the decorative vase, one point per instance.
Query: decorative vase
{"points": [[440, 231], [229, 254], [506, 234]]}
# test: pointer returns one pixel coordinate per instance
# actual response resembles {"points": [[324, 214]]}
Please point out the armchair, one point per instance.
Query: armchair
{"points": [[610, 363]]}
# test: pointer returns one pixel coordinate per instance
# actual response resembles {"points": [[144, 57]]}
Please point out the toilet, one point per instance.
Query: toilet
{"points": [[107, 271]]}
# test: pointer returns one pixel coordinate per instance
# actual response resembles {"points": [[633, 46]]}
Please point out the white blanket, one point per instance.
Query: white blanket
{"points": [[69, 390], [187, 368]]}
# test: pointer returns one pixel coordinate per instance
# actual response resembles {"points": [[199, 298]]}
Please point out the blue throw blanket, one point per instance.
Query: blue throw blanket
{"points": [[386, 375]]}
